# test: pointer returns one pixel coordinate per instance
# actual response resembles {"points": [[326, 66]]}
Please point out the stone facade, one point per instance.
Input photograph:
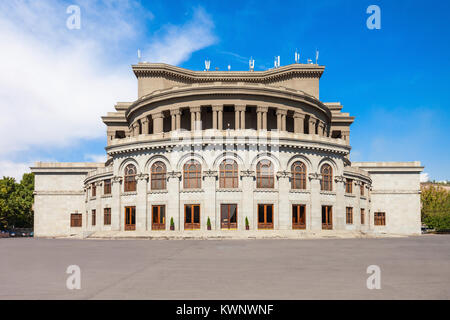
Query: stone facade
{"points": [[263, 125]]}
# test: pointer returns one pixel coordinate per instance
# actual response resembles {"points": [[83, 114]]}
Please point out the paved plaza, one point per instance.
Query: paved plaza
{"points": [[411, 268]]}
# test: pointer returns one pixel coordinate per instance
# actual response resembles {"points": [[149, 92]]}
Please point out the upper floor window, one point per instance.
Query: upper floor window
{"points": [[130, 178], [362, 188], [264, 174], [327, 178], [298, 170], [348, 186], [228, 174], [94, 190], [107, 186], [379, 218], [158, 176], [192, 175]]}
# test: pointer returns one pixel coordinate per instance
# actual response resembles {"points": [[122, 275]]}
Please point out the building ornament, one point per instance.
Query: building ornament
{"points": [[141, 176], [284, 174], [339, 179], [116, 179], [174, 175], [247, 173], [210, 173], [314, 176]]}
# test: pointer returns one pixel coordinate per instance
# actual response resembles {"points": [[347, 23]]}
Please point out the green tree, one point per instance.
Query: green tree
{"points": [[16, 201], [436, 208]]}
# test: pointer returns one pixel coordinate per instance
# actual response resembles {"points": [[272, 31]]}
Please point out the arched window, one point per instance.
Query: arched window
{"points": [[158, 176], [298, 171], [228, 174], [130, 178], [264, 174], [192, 175], [327, 178]]}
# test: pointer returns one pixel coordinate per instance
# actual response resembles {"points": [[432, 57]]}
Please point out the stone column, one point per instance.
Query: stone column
{"points": [[173, 208], [339, 209], [263, 111], [321, 129], [116, 209], [195, 118], [299, 122], [236, 119], [281, 119], [173, 122], [314, 217], [214, 120], [258, 120], [144, 123], [218, 109], [135, 129], [312, 125], [178, 119], [158, 122], [175, 119], [357, 207], [141, 201], [284, 210], [240, 116], [198, 120], [346, 135], [210, 210], [247, 210]]}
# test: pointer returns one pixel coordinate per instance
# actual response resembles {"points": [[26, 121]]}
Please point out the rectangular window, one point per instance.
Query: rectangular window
{"points": [[228, 216], [93, 218], [298, 216], [130, 218], [348, 185], [362, 188], [94, 190], [191, 216], [327, 217], [265, 216], [159, 217], [107, 216], [349, 215], [362, 216], [76, 220], [380, 218], [107, 187]]}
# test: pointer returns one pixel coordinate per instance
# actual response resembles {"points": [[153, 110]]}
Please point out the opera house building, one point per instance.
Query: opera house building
{"points": [[223, 152]]}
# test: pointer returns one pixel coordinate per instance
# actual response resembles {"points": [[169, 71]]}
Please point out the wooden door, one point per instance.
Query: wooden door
{"points": [[192, 217], [298, 216], [327, 218], [158, 217], [228, 216], [130, 218], [265, 216]]}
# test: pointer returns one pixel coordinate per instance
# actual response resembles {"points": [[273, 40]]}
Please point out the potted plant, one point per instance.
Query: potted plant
{"points": [[208, 224], [247, 225], [172, 224]]}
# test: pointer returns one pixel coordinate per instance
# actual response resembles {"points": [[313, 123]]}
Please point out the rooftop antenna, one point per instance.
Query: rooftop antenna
{"points": [[297, 56], [317, 55], [251, 64], [207, 65], [139, 55]]}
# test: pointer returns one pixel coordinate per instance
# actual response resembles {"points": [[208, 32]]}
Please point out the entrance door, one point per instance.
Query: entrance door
{"points": [[327, 218], [192, 217], [158, 217], [298, 216], [265, 216], [130, 218], [228, 216]]}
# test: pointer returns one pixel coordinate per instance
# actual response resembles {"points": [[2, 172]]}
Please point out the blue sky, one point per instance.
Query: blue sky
{"points": [[55, 83]]}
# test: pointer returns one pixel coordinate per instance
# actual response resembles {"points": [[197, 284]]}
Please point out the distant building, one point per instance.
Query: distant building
{"points": [[228, 146]]}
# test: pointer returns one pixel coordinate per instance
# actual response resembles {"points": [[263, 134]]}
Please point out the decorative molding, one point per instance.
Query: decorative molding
{"points": [[247, 173], [173, 175], [284, 174], [339, 179], [142, 176], [129, 193], [229, 190], [315, 176], [116, 179], [210, 173]]}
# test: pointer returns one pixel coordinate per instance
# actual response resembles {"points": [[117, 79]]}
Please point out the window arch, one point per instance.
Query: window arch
{"points": [[158, 176], [192, 175], [130, 178], [298, 171], [228, 174], [264, 174], [327, 178]]}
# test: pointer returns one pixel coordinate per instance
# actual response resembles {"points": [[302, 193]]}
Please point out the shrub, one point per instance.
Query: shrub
{"points": [[436, 208]]}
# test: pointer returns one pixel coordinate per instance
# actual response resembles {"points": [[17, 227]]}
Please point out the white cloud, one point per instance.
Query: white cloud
{"points": [[14, 169], [56, 83], [424, 177], [178, 42], [95, 157]]}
